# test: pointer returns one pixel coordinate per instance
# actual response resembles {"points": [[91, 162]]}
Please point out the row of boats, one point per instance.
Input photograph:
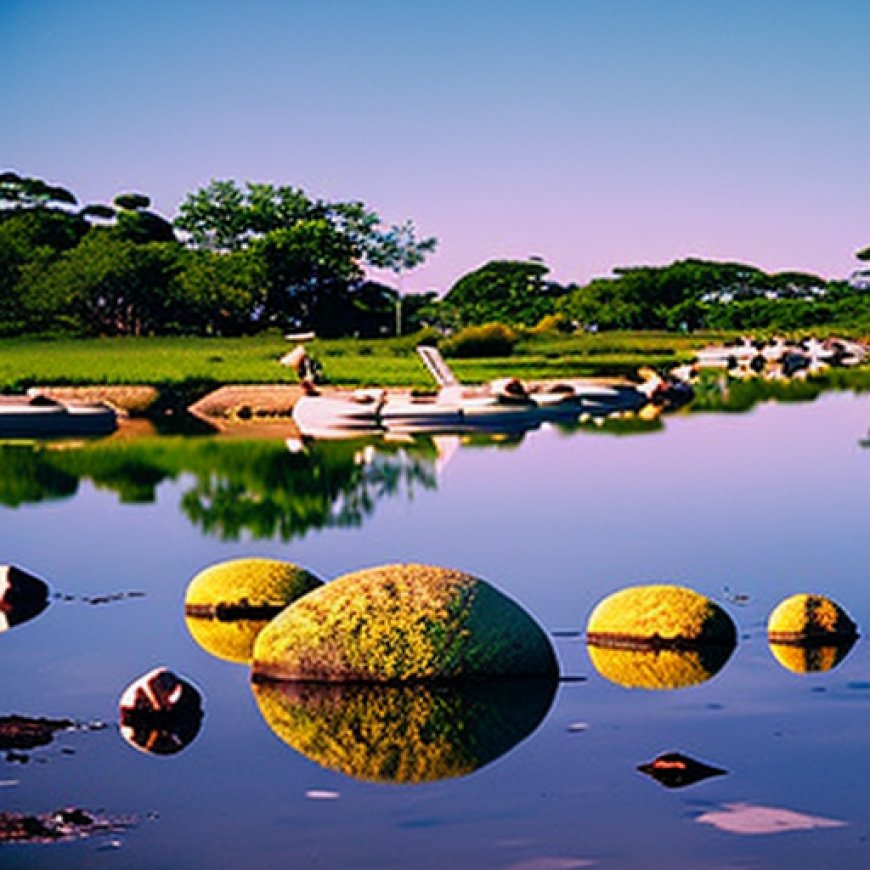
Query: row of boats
{"points": [[504, 404]]}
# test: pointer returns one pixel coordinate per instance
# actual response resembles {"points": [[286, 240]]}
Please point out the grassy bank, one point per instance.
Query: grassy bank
{"points": [[26, 362]]}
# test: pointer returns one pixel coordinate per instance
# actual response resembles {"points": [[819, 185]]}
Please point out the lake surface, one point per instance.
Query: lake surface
{"points": [[747, 509]]}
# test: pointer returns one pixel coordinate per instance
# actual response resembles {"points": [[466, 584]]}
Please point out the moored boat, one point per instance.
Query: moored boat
{"points": [[41, 417]]}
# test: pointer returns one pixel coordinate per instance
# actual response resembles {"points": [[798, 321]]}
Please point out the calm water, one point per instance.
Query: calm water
{"points": [[745, 508]]}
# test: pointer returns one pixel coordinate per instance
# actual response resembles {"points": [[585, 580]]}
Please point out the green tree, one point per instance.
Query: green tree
{"points": [[504, 291], [105, 286]]}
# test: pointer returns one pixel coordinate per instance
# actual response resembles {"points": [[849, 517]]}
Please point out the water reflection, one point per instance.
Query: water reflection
{"points": [[238, 487], [405, 734], [811, 658], [667, 668], [231, 640]]}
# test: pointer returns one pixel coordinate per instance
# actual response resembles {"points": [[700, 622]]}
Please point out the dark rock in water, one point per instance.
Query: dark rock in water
{"points": [[23, 732], [161, 713], [66, 824], [674, 770], [22, 596]]}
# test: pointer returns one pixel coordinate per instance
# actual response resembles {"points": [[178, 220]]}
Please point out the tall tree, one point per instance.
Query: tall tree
{"points": [[506, 291]]}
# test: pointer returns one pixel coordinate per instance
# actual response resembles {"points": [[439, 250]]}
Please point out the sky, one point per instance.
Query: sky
{"points": [[591, 133]]}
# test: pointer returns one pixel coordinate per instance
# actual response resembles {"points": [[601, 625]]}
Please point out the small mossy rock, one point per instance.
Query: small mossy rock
{"points": [[659, 668], [400, 623], [809, 619], [252, 588], [659, 615], [811, 658], [230, 640], [405, 733]]}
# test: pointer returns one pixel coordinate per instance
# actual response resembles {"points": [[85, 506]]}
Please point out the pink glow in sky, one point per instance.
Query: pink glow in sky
{"points": [[593, 134]]}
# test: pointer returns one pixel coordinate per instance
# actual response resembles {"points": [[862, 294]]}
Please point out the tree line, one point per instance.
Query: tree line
{"points": [[241, 258]]}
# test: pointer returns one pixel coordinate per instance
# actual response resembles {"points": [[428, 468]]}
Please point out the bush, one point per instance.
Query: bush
{"points": [[491, 339], [553, 323]]}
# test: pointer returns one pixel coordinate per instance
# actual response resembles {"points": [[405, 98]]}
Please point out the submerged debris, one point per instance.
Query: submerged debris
{"points": [[70, 823], [23, 732]]}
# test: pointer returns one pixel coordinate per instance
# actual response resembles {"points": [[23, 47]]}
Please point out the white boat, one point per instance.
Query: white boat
{"points": [[41, 417]]}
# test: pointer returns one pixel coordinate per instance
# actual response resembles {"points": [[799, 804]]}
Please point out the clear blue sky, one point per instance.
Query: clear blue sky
{"points": [[593, 133]]}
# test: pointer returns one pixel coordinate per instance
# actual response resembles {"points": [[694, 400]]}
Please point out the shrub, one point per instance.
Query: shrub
{"points": [[491, 339]]}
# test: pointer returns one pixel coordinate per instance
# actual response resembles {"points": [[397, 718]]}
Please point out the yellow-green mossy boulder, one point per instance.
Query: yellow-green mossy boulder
{"points": [[810, 619], [405, 733], [228, 604], [659, 616], [402, 623], [661, 669]]}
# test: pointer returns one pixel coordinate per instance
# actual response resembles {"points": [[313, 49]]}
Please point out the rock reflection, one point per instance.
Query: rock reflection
{"points": [[663, 668], [229, 639], [811, 658], [405, 734]]}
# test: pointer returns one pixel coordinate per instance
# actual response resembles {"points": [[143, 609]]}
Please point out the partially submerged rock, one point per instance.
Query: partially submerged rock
{"points": [[401, 623], [806, 619], [161, 713], [227, 605], [405, 733], [22, 596], [675, 770], [659, 616]]}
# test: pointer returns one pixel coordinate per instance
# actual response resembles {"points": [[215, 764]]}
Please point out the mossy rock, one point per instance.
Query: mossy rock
{"points": [[812, 658], [810, 619], [247, 589], [659, 668], [659, 616], [230, 640], [405, 734], [400, 623]]}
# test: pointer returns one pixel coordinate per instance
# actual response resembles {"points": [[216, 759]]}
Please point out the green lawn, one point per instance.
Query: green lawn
{"points": [[388, 362]]}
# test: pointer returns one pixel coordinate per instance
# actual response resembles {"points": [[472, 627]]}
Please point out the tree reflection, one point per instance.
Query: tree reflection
{"points": [[231, 488]]}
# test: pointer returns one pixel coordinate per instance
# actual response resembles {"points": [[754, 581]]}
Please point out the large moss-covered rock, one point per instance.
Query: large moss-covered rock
{"points": [[810, 619], [405, 734], [659, 668], [401, 623], [227, 605], [659, 615]]}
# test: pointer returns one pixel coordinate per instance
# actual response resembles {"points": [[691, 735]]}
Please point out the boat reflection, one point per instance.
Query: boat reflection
{"points": [[405, 734]]}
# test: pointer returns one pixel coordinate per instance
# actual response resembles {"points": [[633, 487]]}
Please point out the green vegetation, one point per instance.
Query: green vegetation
{"points": [[161, 361], [239, 259], [230, 488]]}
